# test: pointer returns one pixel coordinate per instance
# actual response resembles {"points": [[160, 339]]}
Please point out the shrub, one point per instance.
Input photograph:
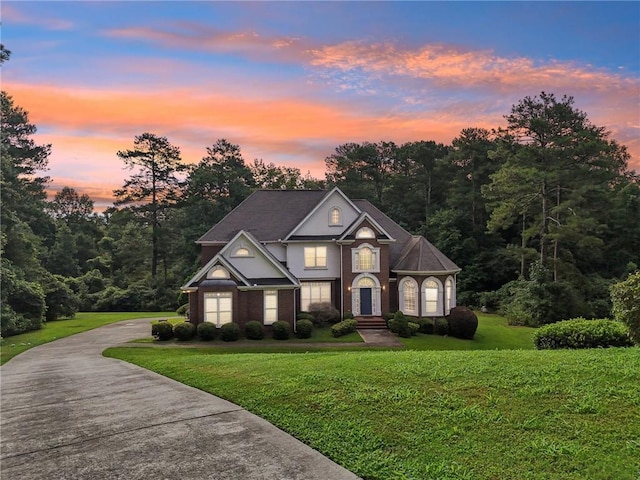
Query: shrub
{"points": [[304, 328], [207, 331], [184, 331], [425, 325], [305, 316], [463, 323], [348, 315], [579, 333], [413, 328], [230, 332], [254, 330], [162, 330], [281, 330], [324, 312], [388, 316], [342, 328], [440, 326], [625, 297], [400, 325], [183, 310]]}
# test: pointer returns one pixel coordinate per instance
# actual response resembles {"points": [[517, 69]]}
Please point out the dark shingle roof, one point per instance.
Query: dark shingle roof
{"points": [[268, 214], [420, 255]]}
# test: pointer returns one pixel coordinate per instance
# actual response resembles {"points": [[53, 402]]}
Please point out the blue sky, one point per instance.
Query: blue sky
{"points": [[290, 81]]}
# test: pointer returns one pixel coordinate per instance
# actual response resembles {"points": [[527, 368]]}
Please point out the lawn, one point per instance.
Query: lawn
{"points": [[12, 346], [494, 333], [506, 414]]}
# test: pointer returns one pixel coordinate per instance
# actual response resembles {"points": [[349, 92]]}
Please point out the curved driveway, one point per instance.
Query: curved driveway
{"points": [[67, 412]]}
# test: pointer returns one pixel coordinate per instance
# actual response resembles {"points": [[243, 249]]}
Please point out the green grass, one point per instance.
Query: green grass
{"points": [[493, 334], [507, 414], [12, 346]]}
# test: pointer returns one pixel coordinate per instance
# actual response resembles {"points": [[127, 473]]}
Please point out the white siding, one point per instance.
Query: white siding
{"points": [[318, 223], [295, 261], [257, 265]]}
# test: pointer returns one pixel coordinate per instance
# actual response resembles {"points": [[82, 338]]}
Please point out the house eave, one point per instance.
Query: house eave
{"points": [[427, 272]]}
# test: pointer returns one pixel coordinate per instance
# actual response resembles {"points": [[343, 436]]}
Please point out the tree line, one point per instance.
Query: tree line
{"points": [[542, 215]]}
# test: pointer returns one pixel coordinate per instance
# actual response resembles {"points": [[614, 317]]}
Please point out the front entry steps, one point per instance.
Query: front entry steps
{"points": [[365, 323]]}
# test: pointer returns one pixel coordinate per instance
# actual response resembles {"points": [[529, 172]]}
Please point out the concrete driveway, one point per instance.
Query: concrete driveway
{"points": [[66, 412]]}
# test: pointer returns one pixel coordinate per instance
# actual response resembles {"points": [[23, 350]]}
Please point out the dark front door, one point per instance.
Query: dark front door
{"points": [[365, 301]]}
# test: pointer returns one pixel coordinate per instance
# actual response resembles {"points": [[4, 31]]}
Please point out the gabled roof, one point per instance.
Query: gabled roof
{"points": [[269, 215], [421, 256], [358, 221]]}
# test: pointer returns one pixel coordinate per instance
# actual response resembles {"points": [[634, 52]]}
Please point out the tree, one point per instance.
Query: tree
{"points": [[626, 304], [4, 54], [155, 185], [70, 206]]}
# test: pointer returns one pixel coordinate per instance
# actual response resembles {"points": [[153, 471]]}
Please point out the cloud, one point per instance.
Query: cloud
{"points": [[13, 15]]}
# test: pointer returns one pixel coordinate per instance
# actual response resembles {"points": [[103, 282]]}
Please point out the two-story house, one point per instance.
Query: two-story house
{"points": [[281, 250]]}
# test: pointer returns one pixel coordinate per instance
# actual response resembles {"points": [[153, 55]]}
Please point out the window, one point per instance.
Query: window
{"points": [[242, 252], [409, 296], [217, 272], [314, 292], [365, 232], [335, 217], [315, 257], [270, 306], [365, 258], [432, 292], [217, 308], [449, 298]]}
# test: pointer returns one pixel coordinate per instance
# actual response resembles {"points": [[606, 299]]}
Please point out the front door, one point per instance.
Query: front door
{"points": [[365, 301]]}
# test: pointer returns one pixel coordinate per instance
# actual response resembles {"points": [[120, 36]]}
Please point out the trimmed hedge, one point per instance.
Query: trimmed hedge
{"points": [[207, 331], [413, 328], [399, 324], [304, 328], [324, 312], [342, 328], [184, 331], [463, 323], [348, 315], [305, 316], [425, 325], [162, 331], [579, 333], [281, 330], [441, 326], [254, 330], [230, 332]]}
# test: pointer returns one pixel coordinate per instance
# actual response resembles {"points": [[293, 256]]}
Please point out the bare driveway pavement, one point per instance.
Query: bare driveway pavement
{"points": [[67, 412]]}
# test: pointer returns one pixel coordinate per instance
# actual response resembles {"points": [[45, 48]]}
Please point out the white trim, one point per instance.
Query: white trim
{"points": [[339, 222], [217, 296], [304, 285], [264, 306], [358, 223], [449, 298], [355, 253], [209, 265], [315, 257], [315, 209]]}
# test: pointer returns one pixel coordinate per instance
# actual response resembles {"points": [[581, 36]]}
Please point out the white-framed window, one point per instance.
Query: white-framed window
{"points": [[270, 306], [314, 292], [217, 272], [315, 257], [408, 295], [365, 232], [335, 217], [432, 297], [365, 258], [218, 308], [449, 295]]}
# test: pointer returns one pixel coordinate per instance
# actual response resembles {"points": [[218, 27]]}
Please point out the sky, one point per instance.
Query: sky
{"points": [[291, 81]]}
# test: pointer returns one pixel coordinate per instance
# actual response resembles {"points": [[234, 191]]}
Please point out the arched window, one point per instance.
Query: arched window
{"points": [[335, 217], [365, 258], [366, 282], [432, 295], [365, 232], [408, 296], [449, 295], [242, 252], [217, 272]]}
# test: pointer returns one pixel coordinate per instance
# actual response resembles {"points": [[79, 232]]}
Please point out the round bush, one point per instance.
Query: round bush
{"points": [[207, 331], [183, 310], [441, 326], [400, 325], [304, 328], [184, 331], [305, 316], [426, 325], [344, 327], [230, 332], [281, 330], [413, 328], [254, 330], [162, 330], [324, 312], [582, 334], [463, 323], [348, 315]]}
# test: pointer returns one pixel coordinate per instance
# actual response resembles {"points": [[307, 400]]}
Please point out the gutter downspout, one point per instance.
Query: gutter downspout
{"points": [[341, 286]]}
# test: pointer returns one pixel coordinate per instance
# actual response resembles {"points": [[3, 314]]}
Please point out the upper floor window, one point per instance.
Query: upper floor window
{"points": [[242, 252], [217, 272], [315, 257], [365, 258], [335, 217], [365, 232]]}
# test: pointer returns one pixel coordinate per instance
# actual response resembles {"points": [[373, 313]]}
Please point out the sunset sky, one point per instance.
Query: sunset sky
{"points": [[290, 81]]}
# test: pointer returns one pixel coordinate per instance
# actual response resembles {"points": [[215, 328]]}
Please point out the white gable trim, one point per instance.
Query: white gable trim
{"points": [[217, 259], [320, 203], [259, 248], [365, 216]]}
